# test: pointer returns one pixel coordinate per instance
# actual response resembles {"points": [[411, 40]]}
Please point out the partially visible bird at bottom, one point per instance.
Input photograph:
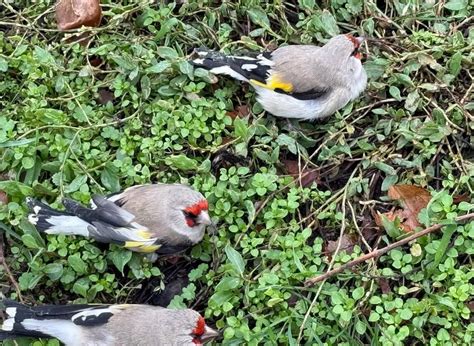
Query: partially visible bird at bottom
{"points": [[106, 325], [161, 218], [297, 81]]}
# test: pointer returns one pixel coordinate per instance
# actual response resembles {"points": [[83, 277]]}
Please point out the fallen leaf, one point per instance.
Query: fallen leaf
{"points": [[461, 198], [3, 197], [241, 111], [306, 177], [412, 199], [172, 288], [369, 231], [347, 244], [384, 286], [3, 194], [411, 195], [96, 61], [105, 96], [225, 158], [173, 259], [72, 14]]}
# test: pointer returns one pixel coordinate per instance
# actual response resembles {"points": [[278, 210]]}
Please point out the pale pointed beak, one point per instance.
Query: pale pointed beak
{"points": [[204, 218], [209, 334]]}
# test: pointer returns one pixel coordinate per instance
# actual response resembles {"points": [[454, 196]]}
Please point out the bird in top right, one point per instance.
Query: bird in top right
{"points": [[297, 81]]}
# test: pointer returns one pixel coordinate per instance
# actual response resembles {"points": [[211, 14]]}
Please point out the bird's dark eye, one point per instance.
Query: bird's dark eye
{"points": [[190, 218], [188, 214], [355, 51]]}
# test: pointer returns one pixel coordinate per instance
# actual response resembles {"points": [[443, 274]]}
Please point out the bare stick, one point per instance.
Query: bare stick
{"points": [[3, 262], [380, 252]]}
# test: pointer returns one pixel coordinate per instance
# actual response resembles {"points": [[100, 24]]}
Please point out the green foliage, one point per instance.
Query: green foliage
{"points": [[127, 108]]}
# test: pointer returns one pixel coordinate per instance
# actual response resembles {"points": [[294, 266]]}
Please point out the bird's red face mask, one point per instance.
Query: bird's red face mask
{"points": [[356, 42], [196, 214], [202, 333]]}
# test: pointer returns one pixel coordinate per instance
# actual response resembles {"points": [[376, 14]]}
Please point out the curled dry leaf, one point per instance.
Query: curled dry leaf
{"points": [[412, 199], [72, 14]]}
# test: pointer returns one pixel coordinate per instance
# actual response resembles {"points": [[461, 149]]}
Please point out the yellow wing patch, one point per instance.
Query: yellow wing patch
{"points": [[274, 82], [140, 246], [145, 234]]}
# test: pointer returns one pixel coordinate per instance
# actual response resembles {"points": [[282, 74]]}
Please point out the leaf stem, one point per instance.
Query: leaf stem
{"points": [[380, 252]]}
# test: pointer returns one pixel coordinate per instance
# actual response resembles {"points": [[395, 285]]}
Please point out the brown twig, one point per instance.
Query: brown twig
{"points": [[380, 252], [3, 263]]}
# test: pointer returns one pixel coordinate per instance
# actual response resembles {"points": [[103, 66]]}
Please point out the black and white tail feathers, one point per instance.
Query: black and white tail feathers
{"points": [[12, 327], [244, 68], [51, 221], [97, 222], [48, 320]]}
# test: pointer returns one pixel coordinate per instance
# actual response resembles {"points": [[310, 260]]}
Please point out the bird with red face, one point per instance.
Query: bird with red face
{"points": [[106, 325], [161, 218], [297, 81]]}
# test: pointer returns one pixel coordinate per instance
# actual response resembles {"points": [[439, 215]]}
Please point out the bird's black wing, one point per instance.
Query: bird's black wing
{"points": [[105, 211], [254, 66], [168, 249], [307, 95]]}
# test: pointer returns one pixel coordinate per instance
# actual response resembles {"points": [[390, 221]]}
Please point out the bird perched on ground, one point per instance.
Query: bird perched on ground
{"points": [[297, 81], [162, 218], [114, 325]]}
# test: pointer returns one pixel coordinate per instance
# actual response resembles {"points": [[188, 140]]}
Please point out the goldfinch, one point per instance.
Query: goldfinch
{"points": [[162, 218], [297, 81], [106, 325]]}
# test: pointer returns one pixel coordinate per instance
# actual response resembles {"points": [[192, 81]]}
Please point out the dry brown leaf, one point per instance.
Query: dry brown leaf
{"points": [[105, 96], [384, 286], [412, 199], [347, 244], [461, 198], [72, 14], [241, 111], [96, 61], [3, 197], [307, 176]]}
